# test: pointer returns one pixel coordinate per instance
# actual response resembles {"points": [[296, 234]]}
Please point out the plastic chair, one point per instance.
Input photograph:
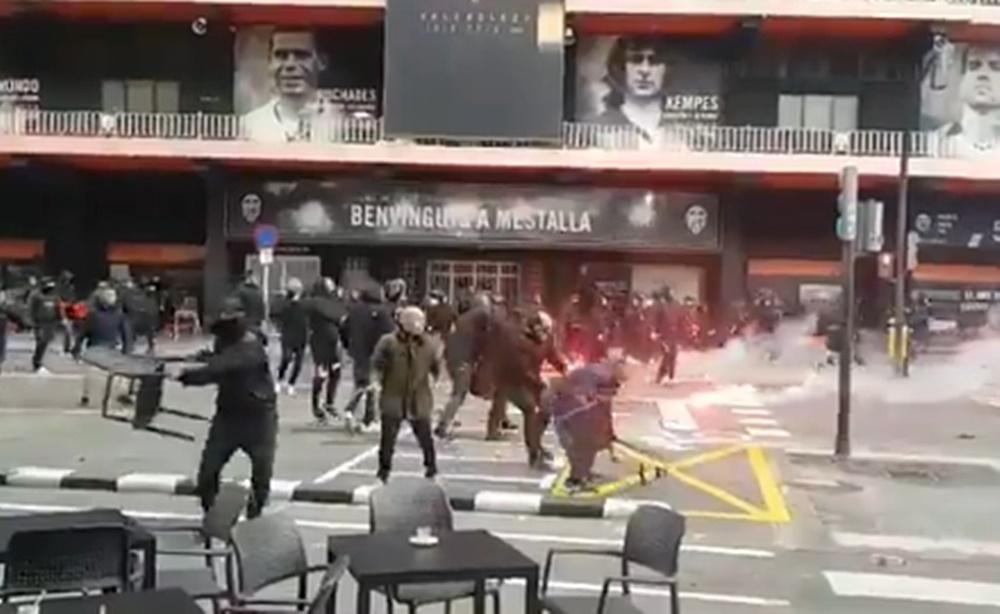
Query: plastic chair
{"points": [[267, 551], [402, 505], [217, 524], [67, 560], [187, 311], [652, 539]]}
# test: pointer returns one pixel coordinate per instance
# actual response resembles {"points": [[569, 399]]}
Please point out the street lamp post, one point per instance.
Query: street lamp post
{"points": [[940, 41]]}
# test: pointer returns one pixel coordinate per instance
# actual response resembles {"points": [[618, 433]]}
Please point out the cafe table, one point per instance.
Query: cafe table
{"points": [[139, 537], [170, 601], [386, 559]]}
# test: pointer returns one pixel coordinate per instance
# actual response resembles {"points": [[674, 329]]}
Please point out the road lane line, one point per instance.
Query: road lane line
{"points": [[347, 465], [582, 587], [917, 544], [764, 432], [750, 412], [758, 422], [912, 588]]}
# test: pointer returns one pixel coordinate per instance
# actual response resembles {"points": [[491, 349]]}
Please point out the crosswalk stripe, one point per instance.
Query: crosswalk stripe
{"points": [[759, 421], [742, 411], [762, 432], [912, 588], [907, 543]]}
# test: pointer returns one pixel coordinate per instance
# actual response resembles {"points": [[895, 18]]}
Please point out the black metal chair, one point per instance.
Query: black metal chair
{"points": [[216, 526], [69, 560], [652, 539], [268, 551], [404, 505]]}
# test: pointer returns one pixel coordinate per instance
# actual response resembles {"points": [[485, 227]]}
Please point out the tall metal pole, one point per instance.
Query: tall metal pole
{"points": [[902, 223], [842, 446]]}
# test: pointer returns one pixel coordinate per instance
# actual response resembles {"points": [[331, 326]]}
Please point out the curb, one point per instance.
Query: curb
{"points": [[495, 502]]}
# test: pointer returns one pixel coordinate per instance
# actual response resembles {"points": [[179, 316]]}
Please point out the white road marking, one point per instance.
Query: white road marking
{"points": [[582, 587], [467, 459], [912, 588], [761, 432], [149, 482], [547, 482], [46, 411], [676, 416], [751, 553], [526, 503], [750, 412], [759, 421], [45, 477], [457, 477], [906, 543], [347, 465]]}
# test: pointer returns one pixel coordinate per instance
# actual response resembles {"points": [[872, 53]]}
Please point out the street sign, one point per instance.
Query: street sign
{"points": [[265, 236], [847, 204], [912, 250], [870, 222], [266, 256]]}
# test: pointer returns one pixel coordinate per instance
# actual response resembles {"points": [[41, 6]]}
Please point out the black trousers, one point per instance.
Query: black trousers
{"points": [[43, 337], [362, 382], [668, 361], [257, 437], [387, 445], [291, 356]]}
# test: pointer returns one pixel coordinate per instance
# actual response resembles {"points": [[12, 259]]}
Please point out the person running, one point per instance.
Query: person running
{"points": [[293, 325], [368, 320], [325, 313], [46, 317]]}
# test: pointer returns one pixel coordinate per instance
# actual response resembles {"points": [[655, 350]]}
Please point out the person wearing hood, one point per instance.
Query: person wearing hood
{"points": [[368, 320], [252, 302], [294, 328], [46, 317], [405, 362], [9, 312], [142, 311], [325, 314], [395, 295], [463, 350], [246, 416], [66, 291], [105, 327]]}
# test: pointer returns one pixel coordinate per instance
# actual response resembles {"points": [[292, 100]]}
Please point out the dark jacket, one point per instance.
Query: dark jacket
{"points": [[405, 365], [44, 308], [515, 360], [252, 300], [141, 309], [440, 318], [464, 346], [243, 375], [325, 315], [105, 327], [294, 324], [368, 320]]}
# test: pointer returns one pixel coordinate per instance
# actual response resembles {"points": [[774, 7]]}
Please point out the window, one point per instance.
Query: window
{"points": [[454, 277], [140, 96], [818, 111]]}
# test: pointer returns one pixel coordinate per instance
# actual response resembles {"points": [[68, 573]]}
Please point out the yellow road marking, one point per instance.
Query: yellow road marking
{"points": [[774, 501]]}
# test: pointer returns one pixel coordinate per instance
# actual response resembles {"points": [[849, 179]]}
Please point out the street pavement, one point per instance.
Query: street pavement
{"points": [[774, 524]]}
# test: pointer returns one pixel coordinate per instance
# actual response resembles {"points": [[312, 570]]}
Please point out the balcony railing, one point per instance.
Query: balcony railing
{"points": [[578, 136]]}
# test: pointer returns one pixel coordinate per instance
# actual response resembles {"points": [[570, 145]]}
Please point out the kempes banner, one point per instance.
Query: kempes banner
{"points": [[950, 222], [651, 83], [471, 214], [960, 99], [292, 83], [474, 69]]}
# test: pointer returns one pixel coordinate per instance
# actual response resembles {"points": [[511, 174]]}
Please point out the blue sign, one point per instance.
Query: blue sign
{"points": [[265, 236]]}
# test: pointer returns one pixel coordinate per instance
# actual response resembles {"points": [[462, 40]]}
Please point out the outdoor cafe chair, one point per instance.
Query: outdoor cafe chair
{"points": [[403, 505], [268, 551], [68, 560], [216, 526], [653, 540]]}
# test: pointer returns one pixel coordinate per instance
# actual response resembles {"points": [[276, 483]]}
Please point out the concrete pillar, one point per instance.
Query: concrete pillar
{"points": [[216, 273], [733, 270]]}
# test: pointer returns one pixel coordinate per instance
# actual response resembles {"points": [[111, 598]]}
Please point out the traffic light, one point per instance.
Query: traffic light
{"points": [[847, 204], [870, 219]]}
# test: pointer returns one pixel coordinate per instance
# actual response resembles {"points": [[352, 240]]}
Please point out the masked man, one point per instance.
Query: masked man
{"points": [[246, 416], [404, 363]]}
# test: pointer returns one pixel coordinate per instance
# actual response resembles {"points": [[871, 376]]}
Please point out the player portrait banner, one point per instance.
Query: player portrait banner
{"points": [[960, 100], [475, 214], [294, 83], [483, 70], [947, 221], [667, 90]]}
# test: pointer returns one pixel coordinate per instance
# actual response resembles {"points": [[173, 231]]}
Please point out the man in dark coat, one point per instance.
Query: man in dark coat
{"points": [[252, 302], [246, 416], [9, 313], [46, 317], [106, 326], [668, 321], [368, 320], [405, 361], [463, 350], [293, 325], [143, 313], [516, 354], [325, 313]]}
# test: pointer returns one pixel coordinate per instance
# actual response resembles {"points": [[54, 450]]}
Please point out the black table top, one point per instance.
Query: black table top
{"points": [[9, 525], [388, 557], [171, 601]]}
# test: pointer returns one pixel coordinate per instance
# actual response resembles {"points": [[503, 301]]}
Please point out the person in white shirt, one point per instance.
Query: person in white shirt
{"points": [[977, 130], [297, 112]]}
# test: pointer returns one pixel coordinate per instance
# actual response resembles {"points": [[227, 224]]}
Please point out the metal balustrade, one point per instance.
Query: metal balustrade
{"points": [[575, 135]]}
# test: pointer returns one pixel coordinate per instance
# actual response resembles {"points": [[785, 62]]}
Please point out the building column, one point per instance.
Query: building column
{"points": [[216, 273], [733, 269]]}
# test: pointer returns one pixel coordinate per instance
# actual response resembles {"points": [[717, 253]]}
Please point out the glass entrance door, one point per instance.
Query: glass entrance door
{"points": [[453, 277]]}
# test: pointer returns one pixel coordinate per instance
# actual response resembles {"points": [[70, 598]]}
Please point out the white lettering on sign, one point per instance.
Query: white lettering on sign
{"points": [[521, 219], [18, 90]]}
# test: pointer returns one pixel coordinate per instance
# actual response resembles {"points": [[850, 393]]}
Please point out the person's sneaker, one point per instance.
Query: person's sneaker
{"points": [[290, 390], [382, 476], [442, 433], [431, 474], [319, 419], [84, 401], [277, 387], [331, 411], [42, 371], [540, 464], [350, 424], [507, 425]]}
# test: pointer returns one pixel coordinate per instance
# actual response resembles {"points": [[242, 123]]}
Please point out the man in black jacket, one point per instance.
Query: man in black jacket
{"points": [[44, 309], [246, 416], [294, 328], [368, 319], [463, 349], [325, 313], [251, 299], [105, 327]]}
